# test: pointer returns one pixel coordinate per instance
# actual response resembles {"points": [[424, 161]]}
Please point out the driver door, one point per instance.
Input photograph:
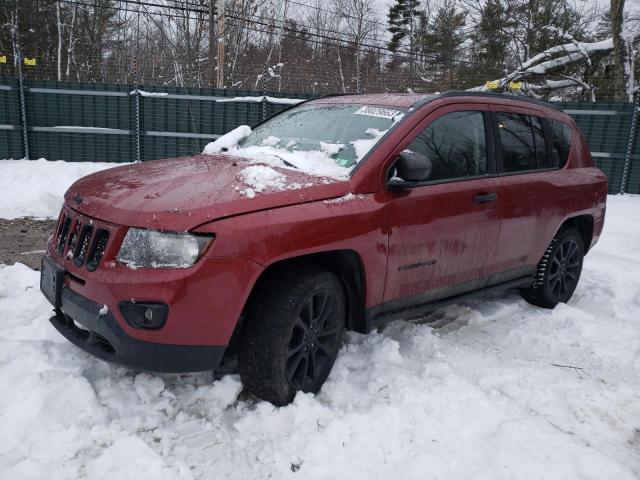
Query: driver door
{"points": [[444, 230]]}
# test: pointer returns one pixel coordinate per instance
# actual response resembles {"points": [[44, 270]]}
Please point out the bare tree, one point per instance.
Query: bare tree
{"points": [[360, 24]]}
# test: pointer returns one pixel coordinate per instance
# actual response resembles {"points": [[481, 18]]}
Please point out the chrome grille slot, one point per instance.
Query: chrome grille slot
{"points": [[82, 244], [73, 234], [64, 231], [98, 246]]}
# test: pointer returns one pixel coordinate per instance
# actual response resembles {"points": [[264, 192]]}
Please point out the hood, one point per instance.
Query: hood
{"points": [[181, 193]]}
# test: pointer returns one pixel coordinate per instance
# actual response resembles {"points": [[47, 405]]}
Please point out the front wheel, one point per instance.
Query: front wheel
{"points": [[292, 334], [558, 271]]}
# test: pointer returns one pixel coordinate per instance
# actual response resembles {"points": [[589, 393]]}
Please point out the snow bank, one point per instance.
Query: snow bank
{"points": [[228, 140], [35, 188], [493, 389]]}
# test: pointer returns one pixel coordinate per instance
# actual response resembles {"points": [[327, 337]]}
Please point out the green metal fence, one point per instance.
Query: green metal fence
{"points": [[612, 133], [119, 123]]}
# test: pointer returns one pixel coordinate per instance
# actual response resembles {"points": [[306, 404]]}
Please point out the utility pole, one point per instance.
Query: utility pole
{"points": [[358, 71], [212, 44], [220, 82]]}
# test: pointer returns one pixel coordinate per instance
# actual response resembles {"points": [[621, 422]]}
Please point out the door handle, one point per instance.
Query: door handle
{"points": [[485, 197]]}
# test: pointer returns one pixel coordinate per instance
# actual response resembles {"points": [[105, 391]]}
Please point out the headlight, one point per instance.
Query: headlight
{"points": [[154, 249]]}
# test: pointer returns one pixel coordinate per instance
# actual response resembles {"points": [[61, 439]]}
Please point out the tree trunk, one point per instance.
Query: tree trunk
{"points": [[60, 33], [621, 88], [72, 43]]}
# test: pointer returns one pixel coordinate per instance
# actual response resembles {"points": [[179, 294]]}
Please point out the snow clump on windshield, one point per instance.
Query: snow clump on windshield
{"points": [[228, 140]]}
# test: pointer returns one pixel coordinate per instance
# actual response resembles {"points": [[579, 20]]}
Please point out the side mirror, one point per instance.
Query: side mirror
{"points": [[413, 166]]}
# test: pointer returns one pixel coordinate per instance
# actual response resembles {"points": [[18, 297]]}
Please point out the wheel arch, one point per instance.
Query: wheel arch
{"points": [[346, 264], [584, 224]]}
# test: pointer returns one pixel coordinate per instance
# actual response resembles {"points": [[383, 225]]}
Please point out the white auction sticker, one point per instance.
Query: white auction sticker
{"points": [[377, 112]]}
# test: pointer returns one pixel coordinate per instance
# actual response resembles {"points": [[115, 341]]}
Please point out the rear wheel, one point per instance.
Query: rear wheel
{"points": [[292, 334], [558, 271]]}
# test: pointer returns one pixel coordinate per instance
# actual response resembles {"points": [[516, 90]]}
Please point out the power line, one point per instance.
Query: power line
{"points": [[275, 23], [280, 23], [315, 7]]}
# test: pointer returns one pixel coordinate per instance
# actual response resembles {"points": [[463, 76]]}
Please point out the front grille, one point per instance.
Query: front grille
{"points": [[78, 239]]}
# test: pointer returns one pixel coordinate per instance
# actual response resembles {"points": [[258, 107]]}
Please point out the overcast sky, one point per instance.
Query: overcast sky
{"points": [[383, 5]]}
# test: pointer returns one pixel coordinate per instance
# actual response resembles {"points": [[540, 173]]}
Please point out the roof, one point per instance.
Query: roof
{"points": [[403, 100], [407, 100]]}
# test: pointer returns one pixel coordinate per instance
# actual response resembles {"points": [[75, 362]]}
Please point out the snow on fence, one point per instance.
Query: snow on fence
{"points": [[115, 123]]}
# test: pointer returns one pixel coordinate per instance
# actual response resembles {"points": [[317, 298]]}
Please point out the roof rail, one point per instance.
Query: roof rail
{"points": [[519, 98], [329, 95]]}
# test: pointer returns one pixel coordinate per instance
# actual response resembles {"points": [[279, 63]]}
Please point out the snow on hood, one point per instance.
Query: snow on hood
{"points": [[260, 178]]}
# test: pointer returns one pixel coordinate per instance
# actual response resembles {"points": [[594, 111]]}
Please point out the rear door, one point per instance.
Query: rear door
{"points": [[443, 232], [527, 190]]}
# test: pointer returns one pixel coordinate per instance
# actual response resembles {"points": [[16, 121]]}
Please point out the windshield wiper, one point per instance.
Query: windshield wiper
{"points": [[288, 164]]}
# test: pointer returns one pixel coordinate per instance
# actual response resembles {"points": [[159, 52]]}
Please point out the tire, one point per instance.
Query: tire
{"points": [[558, 271], [293, 331]]}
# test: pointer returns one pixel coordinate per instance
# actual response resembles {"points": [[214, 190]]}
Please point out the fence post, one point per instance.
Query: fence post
{"points": [[630, 143], [137, 99], [358, 71], [23, 110], [264, 92]]}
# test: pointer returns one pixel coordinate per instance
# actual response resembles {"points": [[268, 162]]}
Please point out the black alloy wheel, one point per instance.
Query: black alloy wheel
{"points": [[558, 271], [292, 333], [564, 269], [313, 338]]}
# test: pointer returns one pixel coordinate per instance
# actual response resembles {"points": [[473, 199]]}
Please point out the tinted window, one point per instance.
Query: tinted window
{"points": [[560, 143], [540, 144], [523, 142], [518, 144], [456, 145]]}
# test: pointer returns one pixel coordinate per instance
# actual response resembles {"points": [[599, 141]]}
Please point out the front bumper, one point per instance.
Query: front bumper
{"points": [[80, 320]]}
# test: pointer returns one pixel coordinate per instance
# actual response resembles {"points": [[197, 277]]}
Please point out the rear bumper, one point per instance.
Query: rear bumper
{"points": [[80, 320]]}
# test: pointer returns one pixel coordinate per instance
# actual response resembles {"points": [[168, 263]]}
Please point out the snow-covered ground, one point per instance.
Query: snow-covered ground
{"points": [[493, 390], [34, 188]]}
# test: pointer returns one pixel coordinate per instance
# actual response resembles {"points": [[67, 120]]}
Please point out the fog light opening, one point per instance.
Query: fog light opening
{"points": [[144, 315]]}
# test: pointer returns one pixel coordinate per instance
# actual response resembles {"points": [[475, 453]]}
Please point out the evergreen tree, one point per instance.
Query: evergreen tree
{"points": [[444, 38], [490, 41], [402, 18]]}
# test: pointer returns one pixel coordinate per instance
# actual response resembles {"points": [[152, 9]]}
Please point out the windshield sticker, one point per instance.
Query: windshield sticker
{"points": [[378, 112]]}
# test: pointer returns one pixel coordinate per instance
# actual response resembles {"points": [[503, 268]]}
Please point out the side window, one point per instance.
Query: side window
{"points": [[560, 142], [456, 145], [518, 143], [541, 145]]}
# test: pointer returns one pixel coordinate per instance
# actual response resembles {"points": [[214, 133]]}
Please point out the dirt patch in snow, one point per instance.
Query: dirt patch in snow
{"points": [[24, 240]]}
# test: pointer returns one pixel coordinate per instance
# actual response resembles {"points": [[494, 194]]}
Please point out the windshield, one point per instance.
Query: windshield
{"points": [[310, 136]]}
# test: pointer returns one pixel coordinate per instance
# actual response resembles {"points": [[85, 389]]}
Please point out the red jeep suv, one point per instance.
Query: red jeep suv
{"points": [[341, 213]]}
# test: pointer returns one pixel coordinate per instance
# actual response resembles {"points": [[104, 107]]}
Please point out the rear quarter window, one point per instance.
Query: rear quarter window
{"points": [[560, 142], [517, 138]]}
